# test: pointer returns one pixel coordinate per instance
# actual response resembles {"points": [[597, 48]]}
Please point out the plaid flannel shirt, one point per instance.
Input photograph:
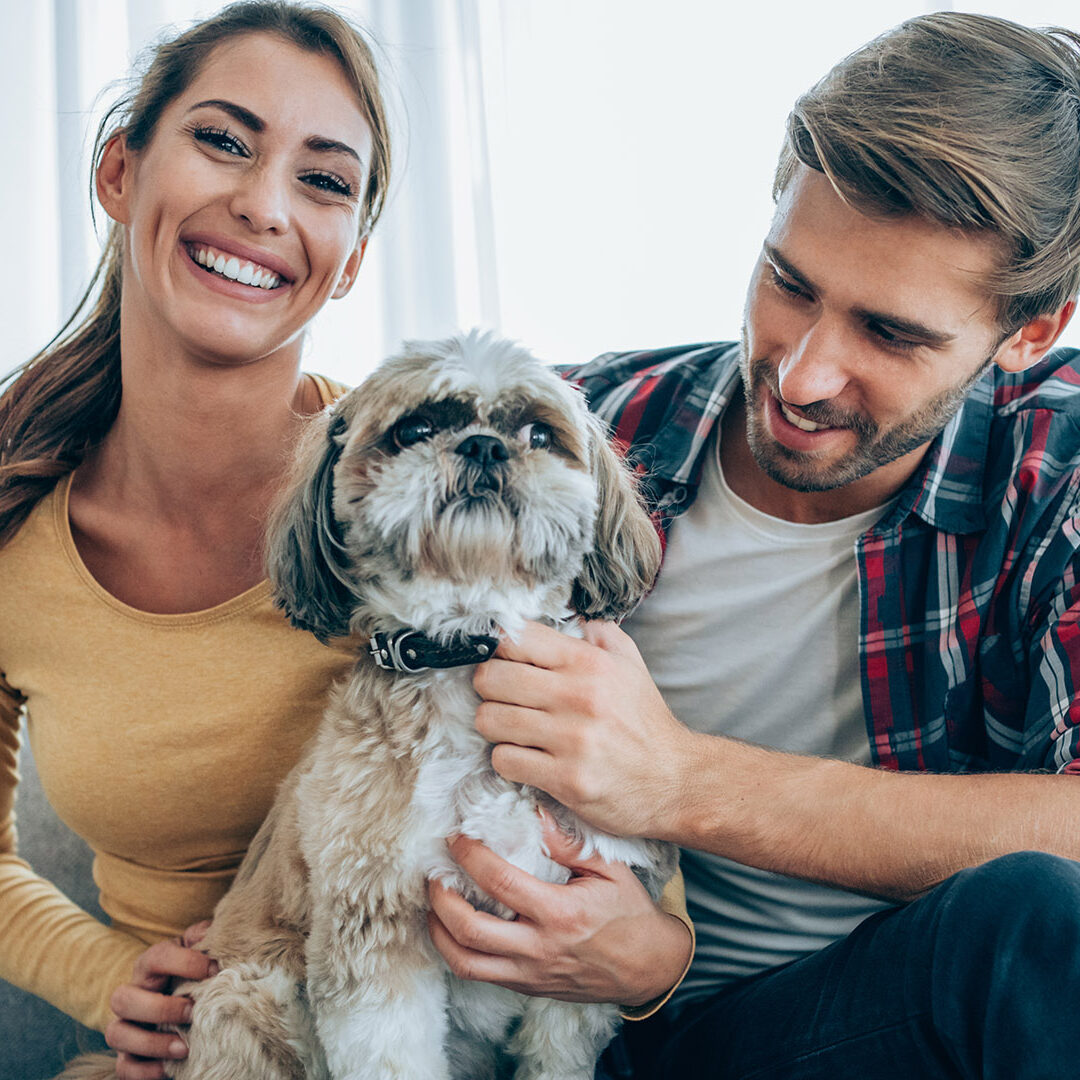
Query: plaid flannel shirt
{"points": [[969, 597]]}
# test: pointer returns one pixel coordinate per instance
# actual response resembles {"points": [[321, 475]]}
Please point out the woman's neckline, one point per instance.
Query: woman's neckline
{"points": [[242, 601]]}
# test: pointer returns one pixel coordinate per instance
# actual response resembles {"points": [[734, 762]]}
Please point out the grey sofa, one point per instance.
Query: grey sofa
{"points": [[35, 1038]]}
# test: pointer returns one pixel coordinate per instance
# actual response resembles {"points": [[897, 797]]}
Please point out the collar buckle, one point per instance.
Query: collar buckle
{"points": [[392, 653]]}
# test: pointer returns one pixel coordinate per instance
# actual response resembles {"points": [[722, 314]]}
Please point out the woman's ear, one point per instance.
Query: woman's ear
{"points": [[350, 270], [112, 178]]}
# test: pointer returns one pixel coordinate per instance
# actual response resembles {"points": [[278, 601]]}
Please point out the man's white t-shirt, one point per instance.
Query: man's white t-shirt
{"points": [[752, 631]]}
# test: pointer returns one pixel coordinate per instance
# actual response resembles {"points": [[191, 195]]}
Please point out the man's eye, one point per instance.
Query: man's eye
{"points": [[784, 285], [410, 430], [891, 341], [536, 436]]}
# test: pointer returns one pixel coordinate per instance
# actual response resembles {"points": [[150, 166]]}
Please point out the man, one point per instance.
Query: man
{"points": [[854, 702]]}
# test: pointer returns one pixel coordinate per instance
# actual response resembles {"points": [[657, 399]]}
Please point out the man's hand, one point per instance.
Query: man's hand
{"points": [[145, 1002], [597, 938], [583, 721]]}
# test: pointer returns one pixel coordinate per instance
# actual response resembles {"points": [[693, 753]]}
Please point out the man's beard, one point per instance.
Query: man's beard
{"points": [[873, 447]]}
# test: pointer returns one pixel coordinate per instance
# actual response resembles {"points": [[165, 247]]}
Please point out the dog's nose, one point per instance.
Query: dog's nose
{"points": [[483, 450]]}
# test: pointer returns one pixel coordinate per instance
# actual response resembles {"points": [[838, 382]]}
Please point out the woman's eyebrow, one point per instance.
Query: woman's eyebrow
{"points": [[318, 143], [322, 144], [237, 112]]}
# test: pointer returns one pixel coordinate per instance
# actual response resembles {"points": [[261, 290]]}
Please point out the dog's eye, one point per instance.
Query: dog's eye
{"points": [[411, 429], [536, 436]]}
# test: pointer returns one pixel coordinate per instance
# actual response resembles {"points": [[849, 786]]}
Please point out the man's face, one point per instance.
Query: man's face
{"points": [[861, 338]]}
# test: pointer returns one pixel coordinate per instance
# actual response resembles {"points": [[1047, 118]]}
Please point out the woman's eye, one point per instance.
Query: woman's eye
{"points": [[537, 435], [324, 181], [410, 430], [219, 139]]}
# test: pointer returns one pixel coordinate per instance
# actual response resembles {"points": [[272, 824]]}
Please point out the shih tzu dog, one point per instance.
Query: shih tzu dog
{"points": [[462, 489]]}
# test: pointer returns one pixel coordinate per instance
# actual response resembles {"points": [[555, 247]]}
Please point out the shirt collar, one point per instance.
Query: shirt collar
{"points": [[675, 450], [946, 490]]}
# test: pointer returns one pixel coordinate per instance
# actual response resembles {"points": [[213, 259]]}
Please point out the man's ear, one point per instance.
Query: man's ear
{"points": [[348, 274], [112, 178], [1033, 340]]}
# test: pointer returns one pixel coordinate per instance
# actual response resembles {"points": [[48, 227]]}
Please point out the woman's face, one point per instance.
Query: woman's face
{"points": [[243, 212]]}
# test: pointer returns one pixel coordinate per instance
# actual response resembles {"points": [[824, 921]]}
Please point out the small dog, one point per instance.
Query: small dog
{"points": [[462, 489]]}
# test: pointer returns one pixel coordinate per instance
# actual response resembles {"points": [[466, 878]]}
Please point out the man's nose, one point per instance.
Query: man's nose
{"points": [[261, 199], [816, 367]]}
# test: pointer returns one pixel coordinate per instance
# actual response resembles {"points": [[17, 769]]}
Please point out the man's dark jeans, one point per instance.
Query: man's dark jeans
{"points": [[979, 978]]}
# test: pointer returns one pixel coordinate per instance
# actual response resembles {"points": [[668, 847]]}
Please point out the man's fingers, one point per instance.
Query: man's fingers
{"points": [[607, 636], [545, 647], [499, 722], [514, 683], [468, 963], [527, 765], [519, 891], [537, 644], [566, 851], [476, 931]]}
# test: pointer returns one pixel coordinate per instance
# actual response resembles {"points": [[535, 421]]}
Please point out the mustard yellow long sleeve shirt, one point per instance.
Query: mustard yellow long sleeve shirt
{"points": [[160, 739]]}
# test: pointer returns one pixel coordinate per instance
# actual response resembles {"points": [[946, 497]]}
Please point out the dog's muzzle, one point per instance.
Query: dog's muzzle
{"points": [[410, 651], [485, 458]]}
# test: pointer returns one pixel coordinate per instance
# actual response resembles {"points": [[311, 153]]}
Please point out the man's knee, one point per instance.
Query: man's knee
{"points": [[1005, 947], [1012, 896]]}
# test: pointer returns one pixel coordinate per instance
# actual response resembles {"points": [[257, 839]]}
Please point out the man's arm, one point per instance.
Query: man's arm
{"points": [[583, 721]]}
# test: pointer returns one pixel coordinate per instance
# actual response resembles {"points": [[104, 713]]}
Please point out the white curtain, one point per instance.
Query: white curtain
{"points": [[579, 174]]}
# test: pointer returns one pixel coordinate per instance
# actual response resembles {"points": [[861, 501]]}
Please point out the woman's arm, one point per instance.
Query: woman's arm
{"points": [[121, 986], [46, 937]]}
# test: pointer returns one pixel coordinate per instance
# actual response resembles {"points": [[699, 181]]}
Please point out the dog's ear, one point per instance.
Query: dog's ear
{"points": [[305, 554], [625, 558]]}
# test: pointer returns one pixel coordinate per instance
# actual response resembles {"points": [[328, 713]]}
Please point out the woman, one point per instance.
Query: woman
{"points": [[167, 697]]}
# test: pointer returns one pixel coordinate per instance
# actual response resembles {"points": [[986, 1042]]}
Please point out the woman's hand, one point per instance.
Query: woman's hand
{"points": [[145, 1002], [597, 938]]}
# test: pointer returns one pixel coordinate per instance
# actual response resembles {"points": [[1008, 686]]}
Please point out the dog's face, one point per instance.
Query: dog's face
{"points": [[462, 480]]}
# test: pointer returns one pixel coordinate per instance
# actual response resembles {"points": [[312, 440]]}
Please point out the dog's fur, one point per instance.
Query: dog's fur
{"points": [[327, 968]]}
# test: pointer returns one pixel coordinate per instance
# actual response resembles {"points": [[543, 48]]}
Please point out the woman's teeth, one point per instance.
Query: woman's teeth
{"points": [[799, 422], [231, 267]]}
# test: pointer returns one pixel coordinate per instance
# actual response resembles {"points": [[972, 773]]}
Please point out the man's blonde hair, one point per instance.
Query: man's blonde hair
{"points": [[967, 120]]}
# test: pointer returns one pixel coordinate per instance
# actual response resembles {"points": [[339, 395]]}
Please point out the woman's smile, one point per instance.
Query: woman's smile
{"points": [[215, 261]]}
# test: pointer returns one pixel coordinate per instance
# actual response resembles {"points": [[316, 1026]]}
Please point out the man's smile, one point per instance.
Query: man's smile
{"points": [[792, 432], [799, 421]]}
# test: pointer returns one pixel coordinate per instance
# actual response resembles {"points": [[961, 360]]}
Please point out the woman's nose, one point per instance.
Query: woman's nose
{"points": [[261, 200]]}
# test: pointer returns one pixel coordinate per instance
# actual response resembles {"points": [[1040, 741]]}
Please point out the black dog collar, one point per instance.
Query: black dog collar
{"points": [[410, 651]]}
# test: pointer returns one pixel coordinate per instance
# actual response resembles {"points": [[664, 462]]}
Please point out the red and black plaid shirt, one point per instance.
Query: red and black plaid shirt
{"points": [[969, 640]]}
